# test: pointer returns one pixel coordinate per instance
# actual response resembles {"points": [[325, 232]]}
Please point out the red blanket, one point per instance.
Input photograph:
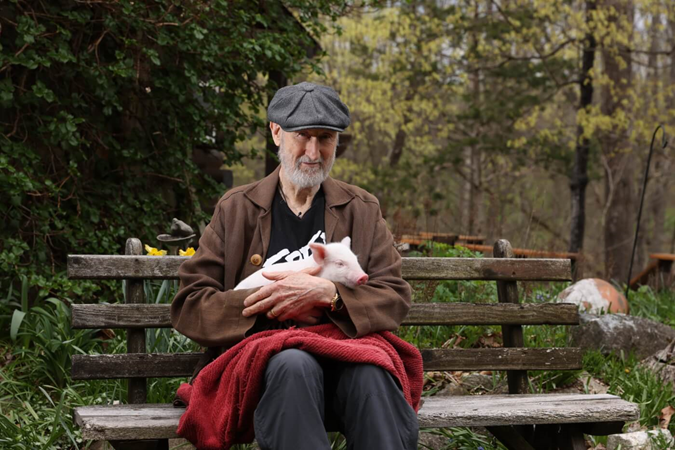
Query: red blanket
{"points": [[223, 398]]}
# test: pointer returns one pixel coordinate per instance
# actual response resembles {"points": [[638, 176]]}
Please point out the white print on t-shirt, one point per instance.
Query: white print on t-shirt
{"points": [[286, 255]]}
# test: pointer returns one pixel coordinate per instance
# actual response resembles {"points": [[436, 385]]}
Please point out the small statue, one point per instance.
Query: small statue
{"points": [[180, 228], [181, 236]]}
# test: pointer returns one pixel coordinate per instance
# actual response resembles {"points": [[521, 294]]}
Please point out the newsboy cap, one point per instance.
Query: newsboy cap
{"points": [[308, 105]]}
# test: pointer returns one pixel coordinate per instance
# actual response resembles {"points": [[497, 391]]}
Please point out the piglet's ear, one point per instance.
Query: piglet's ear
{"points": [[318, 252], [347, 242]]}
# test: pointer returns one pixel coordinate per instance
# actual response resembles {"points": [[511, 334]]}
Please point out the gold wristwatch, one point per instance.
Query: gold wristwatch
{"points": [[336, 304]]}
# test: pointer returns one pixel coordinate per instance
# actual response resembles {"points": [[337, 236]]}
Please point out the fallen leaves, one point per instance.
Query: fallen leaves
{"points": [[665, 416]]}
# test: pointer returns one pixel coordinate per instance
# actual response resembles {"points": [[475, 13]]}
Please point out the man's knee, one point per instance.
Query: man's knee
{"points": [[366, 377], [291, 363]]}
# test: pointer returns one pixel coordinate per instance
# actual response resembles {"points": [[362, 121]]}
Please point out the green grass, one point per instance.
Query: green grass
{"points": [[37, 394]]}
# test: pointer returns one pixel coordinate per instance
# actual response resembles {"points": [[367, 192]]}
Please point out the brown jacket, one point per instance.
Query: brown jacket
{"points": [[207, 310]]}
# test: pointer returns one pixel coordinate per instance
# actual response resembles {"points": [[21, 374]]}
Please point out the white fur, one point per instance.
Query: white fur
{"points": [[338, 263]]}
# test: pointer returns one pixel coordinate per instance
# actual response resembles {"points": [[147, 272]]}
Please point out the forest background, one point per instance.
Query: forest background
{"points": [[521, 119]]}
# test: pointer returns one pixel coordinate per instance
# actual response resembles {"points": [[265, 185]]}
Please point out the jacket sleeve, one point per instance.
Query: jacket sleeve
{"points": [[202, 309], [383, 302]]}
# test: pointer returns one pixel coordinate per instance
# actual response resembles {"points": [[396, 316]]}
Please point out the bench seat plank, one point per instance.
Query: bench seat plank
{"points": [[157, 421], [158, 316], [117, 267], [151, 365]]}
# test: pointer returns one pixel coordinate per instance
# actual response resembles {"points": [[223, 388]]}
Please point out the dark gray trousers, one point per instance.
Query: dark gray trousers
{"points": [[304, 397]]}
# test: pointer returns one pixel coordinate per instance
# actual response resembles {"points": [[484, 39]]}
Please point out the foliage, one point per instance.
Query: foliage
{"points": [[658, 306], [627, 379], [466, 117], [103, 102]]}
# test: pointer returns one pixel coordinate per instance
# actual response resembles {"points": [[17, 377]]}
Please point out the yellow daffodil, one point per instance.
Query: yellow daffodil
{"points": [[152, 251], [188, 252]]}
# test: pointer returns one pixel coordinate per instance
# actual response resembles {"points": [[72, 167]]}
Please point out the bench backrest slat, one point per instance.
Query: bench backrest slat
{"points": [[118, 267], [158, 316], [151, 365]]}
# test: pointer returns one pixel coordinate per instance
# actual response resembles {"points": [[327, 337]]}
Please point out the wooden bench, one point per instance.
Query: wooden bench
{"points": [[658, 274], [521, 421]]}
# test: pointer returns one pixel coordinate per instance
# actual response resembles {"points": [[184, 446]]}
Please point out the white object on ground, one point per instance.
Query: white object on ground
{"points": [[641, 440]]}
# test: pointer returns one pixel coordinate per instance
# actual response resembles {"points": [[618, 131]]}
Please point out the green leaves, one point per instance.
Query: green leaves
{"points": [[41, 91], [17, 318], [102, 104]]}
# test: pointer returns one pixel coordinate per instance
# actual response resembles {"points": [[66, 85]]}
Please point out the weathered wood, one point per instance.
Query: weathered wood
{"points": [[133, 365], [502, 359], [117, 267], [507, 293], [160, 421], [127, 422], [137, 388], [524, 409], [509, 269], [162, 365], [158, 316]]}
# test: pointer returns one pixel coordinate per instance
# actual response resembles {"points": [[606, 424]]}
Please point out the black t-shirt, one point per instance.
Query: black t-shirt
{"points": [[291, 235], [290, 239]]}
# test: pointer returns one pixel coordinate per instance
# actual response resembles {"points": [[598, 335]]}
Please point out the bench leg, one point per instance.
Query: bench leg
{"points": [[155, 444], [570, 437], [511, 438], [542, 437]]}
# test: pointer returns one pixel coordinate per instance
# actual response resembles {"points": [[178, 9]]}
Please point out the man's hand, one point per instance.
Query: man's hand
{"points": [[300, 296]]}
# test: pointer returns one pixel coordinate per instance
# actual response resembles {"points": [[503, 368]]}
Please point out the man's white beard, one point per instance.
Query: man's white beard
{"points": [[306, 178]]}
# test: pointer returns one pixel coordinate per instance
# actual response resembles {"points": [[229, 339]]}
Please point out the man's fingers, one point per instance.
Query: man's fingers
{"points": [[312, 270], [261, 294], [260, 306], [277, 275]]}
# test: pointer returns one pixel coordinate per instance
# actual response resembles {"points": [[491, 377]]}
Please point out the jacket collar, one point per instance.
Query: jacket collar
{"points": [[262, 193]]}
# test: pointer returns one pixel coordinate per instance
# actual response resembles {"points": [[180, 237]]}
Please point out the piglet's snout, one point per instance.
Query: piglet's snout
{"points": [[362, 280]]}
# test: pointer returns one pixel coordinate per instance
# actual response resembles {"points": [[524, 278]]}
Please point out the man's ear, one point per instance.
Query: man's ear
{"points": [[318, 252], [347, 242], [276, 133]]}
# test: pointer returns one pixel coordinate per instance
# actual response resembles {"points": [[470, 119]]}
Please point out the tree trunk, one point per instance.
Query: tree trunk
{"points": [[471, 192], [656, 196], [619, 160], [276, 81], [579, 178]]}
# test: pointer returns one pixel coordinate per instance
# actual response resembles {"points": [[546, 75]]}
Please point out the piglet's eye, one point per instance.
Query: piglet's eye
{"points": [[339, 263]]}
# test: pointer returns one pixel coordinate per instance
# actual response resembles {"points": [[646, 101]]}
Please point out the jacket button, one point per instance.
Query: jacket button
{"points": [[256, 260]]}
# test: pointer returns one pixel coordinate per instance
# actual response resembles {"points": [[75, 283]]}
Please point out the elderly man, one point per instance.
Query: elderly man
{"points": [[274, 220]]}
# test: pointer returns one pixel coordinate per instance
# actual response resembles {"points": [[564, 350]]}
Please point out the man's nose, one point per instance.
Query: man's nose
{"points": [[312, 149]]}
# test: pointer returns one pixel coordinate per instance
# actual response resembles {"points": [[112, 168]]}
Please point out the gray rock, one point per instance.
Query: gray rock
{"points": [[615, 332], [640, 440], [662, 363], [585, 384], [453, 389]]}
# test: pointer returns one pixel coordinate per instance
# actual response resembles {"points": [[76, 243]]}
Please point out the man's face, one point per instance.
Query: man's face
{"points": [[306, 156]]}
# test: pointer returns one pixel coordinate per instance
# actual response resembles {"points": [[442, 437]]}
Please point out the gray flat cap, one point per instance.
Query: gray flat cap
{"points": [[308, 105]]}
